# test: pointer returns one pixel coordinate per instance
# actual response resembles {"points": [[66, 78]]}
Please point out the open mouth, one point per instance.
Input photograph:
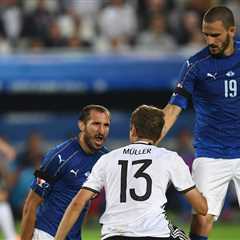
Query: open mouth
{"points": [[99, 139]]}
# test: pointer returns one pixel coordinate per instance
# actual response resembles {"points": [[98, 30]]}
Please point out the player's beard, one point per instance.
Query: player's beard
{"points": [[90, 142], [222, 49]]}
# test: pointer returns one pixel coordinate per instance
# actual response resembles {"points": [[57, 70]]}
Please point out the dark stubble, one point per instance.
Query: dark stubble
{"points": [[225, 45]]}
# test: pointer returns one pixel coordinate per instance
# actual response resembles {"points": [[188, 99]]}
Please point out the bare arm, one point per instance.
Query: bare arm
{"points": [[171, 114], [72, 213], [29, 215], [197, 200]]}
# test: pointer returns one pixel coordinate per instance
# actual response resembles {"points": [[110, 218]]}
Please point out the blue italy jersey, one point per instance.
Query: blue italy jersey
{"points": [[214, 84], [62, 173]]}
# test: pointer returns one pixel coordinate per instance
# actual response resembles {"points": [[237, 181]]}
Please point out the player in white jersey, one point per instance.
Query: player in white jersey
{"points": [[135, 179]]}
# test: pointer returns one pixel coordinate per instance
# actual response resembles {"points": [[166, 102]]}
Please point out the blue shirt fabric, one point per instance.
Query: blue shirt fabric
{"points": [[64, 169], [214, 84]]}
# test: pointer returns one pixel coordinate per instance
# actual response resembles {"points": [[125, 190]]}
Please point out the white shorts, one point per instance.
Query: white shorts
{"points": [[212, 177], [41, 235]]}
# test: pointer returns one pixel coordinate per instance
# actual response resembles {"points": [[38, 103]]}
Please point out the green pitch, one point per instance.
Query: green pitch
{"points": [[222, 231]]}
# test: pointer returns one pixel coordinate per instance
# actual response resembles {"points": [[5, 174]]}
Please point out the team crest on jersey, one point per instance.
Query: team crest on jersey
{"points": [[230, 74]]}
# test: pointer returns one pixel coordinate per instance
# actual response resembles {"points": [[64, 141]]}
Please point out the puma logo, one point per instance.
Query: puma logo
{"points": [[213, 76], [74, 172], [60, 159]]}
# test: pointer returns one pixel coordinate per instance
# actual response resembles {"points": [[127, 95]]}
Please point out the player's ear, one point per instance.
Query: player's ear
{"points": [[81, 125], [133, 131], [232, 31], [131, 134]]}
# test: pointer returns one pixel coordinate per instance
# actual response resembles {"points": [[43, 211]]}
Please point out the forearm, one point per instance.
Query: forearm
{"points": [[198, 201], [29, 215], [28, 224], [202, 207], [70, 217], [171, 114], [71, 214]]}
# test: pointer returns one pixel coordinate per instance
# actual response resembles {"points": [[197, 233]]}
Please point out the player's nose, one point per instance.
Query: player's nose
{"points": [[101, 129], [210, 40]]}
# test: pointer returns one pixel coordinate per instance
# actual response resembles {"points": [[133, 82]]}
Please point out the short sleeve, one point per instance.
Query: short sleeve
{"points": [[185, 86], [180, 175], [96, 179], [46, 175]]}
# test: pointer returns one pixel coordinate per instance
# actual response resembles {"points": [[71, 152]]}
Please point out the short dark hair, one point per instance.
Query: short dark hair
{"points": [[220, 13], [148, 121], [85, 112]]}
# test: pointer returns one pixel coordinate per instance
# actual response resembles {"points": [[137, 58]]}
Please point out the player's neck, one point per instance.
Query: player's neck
{"points": [[144, 141], [84, 146], [230, 50]]}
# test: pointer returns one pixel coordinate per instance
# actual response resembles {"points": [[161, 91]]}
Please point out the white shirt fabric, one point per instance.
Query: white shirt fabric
{"points": [[41, 235], [142, 173]]}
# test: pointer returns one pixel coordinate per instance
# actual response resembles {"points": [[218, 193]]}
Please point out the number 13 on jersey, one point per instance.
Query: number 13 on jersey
{"points": [[144, 164]]}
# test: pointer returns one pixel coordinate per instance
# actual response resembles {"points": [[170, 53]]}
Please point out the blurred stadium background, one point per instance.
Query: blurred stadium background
{"points": [[58, 55]]}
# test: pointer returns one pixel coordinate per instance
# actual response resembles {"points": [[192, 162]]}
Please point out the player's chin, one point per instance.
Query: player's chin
{"points": [[98, 143], [214, 51]]}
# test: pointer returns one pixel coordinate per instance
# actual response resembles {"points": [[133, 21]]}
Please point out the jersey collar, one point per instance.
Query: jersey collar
{"points": [[143, 142]]}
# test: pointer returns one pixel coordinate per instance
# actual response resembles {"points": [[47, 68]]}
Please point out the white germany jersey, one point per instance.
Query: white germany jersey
{"points": [[135, 179]]}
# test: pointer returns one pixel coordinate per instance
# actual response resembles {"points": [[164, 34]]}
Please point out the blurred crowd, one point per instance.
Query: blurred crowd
{"points": [[105, 26]]}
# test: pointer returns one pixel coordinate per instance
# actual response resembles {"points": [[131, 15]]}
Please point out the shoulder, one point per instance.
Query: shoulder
{"points": [[104, 150], [68, 143], [61, 151], [165, 151], [101, 152], [200, 56], [172, 156], [112, 153], [237, 42]]}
